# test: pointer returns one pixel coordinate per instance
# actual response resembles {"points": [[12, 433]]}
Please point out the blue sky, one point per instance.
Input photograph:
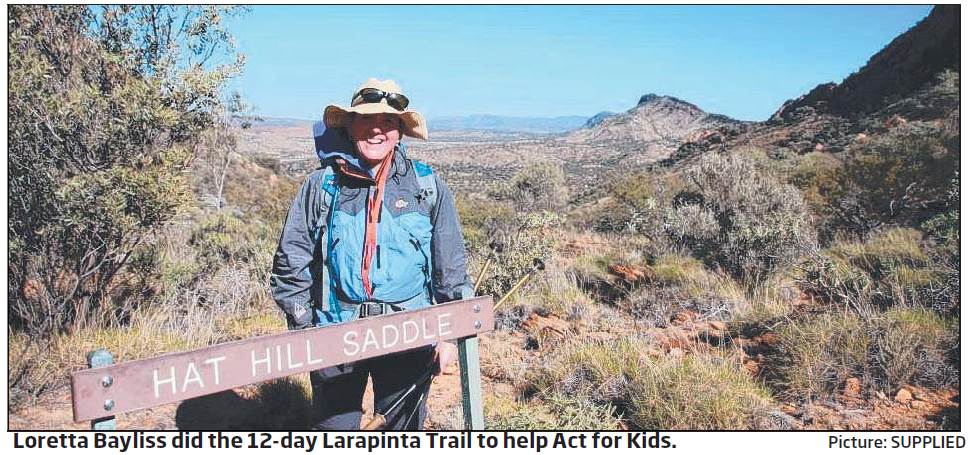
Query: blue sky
{"points": [[545, 61]]}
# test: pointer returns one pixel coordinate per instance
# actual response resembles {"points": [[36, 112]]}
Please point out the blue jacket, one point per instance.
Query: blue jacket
{"points": [[420, 259]]}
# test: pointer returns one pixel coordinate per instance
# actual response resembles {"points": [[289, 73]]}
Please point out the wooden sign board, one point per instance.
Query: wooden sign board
{"points": [[140, 384]]}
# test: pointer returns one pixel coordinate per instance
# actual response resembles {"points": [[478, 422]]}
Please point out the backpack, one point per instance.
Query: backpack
{"points": [[427, 190]]}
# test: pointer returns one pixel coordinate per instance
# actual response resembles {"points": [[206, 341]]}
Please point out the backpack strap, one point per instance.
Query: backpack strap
{"points": [[429, 189], [328, 191], [328, 188]]}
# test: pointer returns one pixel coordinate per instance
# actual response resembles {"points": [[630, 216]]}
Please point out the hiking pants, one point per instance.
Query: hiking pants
{"points": [[338, 391]]}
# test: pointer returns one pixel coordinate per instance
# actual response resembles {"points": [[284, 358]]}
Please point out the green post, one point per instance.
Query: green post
{"points": [[103, 358], [471, 383]]}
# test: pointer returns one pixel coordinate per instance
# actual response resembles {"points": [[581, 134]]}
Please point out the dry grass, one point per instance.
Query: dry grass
{"points": [[815, 356], [680, 392], [41, 365], [556, 412]]}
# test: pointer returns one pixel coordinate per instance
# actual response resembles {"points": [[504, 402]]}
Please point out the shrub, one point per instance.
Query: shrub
{"points": [[695, 392], [740, 218], [900, 178], [815, 174], [539, 186], [944, 231], [914, 346], [533, 239], [271, 199], [557, 412], [504, 413], [559, 294], [680, 283], [483, 221], [639, 204]]}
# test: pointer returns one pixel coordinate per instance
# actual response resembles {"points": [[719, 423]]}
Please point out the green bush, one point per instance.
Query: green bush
{"points": [[815, 175], [639, 204], [557, 412], [915, 346], [104, 106], [502, 413], [899, 178], [221, 239], [483, 221], [533, 239], [539, 186]]}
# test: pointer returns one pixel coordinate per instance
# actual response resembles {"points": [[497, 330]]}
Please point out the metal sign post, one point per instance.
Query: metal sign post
{"points": [[141, 384], [471, 384], [103, 358]]}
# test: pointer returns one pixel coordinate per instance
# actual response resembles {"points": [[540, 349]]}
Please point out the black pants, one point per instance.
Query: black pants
{"points": [[339, 391]]}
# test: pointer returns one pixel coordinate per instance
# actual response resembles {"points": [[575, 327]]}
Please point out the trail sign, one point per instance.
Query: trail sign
{"points": [[138, 384]]}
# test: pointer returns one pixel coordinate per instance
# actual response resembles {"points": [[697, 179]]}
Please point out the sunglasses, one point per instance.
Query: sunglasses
{"points": [[373, 95]]}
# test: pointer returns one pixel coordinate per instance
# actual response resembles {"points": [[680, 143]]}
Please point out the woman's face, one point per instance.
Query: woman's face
{"points": [[375, 135]]}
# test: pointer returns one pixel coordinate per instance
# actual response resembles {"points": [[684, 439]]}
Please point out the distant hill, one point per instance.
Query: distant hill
{"points": [[652, 130], [281, 121], [487, 122], [598, 118]]}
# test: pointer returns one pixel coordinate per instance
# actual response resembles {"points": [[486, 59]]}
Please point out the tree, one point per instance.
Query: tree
{"points": [[104, 106], [219, 145]]}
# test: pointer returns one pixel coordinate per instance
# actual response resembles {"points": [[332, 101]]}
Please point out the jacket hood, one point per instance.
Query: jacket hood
{"points": [[333, 144]]}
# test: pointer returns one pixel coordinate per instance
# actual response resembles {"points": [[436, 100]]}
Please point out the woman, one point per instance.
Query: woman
{"points": [[370, 232]]}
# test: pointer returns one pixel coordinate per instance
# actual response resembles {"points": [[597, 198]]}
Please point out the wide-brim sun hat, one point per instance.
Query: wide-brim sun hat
{"points": [[412, 122]]}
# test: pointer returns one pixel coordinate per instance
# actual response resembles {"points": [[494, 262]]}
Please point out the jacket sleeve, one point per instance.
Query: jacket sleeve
{"points": [[450, 278], [292, 279]]}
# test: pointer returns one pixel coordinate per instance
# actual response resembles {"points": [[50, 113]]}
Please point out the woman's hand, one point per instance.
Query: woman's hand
{"points": [[445, 356]]}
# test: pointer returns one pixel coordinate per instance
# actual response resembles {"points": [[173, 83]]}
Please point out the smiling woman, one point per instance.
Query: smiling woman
{"points": [[375, 136], [372, 232]]}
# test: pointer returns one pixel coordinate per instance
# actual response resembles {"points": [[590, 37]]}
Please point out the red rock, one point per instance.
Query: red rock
{"points": [[629, 273], [682, 317], [853, 387], [904, 396], [918, 404]]}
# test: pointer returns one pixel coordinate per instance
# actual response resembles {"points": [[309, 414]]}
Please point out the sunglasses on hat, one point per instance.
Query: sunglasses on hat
{"points": [[373, 95]]}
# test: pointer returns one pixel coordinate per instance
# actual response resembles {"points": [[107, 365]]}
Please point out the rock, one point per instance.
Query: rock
{"points": [[895, 121], [775, 420], [717, 326], [919, 404], [542, 324], [904, 396], [752, 367], [853, 387], [682, 317], [629, 273], [767, 338]]}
